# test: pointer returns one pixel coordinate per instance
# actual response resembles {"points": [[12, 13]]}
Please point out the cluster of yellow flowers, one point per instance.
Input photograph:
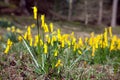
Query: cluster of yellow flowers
{"points": [[13, 29], [104, 40], [69, 41]]}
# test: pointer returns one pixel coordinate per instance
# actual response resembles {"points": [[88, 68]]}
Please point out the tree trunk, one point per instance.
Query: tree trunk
{"points": [[86, 12], [114, 13], [70, 10], [6, 2], [22, 5], [100, 12]]}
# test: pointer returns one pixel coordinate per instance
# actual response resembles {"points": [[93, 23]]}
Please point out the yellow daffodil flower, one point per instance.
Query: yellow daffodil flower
{"points": [[56, 53], [42, 20], [19, 38], [93, 51], [8, 29], [35, 12], [58, 63], [79, 52], [13, 28], [33, 25], [45, 48], [110, 31], [51, 27], [9, 44], [36, 40]]}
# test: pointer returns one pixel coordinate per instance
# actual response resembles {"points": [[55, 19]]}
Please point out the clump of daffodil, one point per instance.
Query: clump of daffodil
{"points": [[35, 12], [9, 44], [59, 63], [11, 29]]}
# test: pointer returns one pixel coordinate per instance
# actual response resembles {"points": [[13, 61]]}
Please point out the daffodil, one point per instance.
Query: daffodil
{"points": [[8, 29], [118, 42], [58, 63], [20, 38], [59, 36], [105, 43], [48, 38], [7, 49], [31, 40], [110, 31], [45, 48], [53, 40], [113, 41], [93, 51], [86, 40], [13, 28], [42, 20], [9, 44], [36, 40], [56, 53], [35, 12], [73, 40], [29, 35], [41, 42], [79, 52], [80, 42], [33, 25], [62, 43], [91, 40], [46, 28], [25, 36], [75, 47], [51, 27], [69, 44]]}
